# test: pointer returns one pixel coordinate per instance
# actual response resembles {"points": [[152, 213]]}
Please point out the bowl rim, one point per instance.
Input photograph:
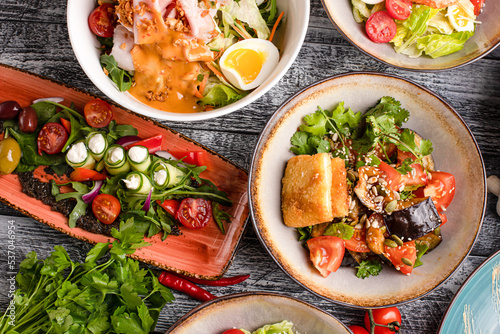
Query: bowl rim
{"points": [[244, 295], [413, 69], [274, 119], [185, 117]]}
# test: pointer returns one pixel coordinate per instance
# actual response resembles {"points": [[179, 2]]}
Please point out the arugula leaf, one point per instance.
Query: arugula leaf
{"points": [[120, 77], [368, 268], [421, 250], [304, 233], [340, 230], [220, 216], [80, 207]]}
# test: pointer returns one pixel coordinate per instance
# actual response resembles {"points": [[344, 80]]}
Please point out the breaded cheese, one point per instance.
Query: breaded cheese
{"points": [[340, 194], [306, 196]]}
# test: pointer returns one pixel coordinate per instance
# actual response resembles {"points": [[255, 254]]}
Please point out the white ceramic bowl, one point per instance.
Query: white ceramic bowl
{"points": [[486, 38], [455, 151], [84, 44], [253, 310]]}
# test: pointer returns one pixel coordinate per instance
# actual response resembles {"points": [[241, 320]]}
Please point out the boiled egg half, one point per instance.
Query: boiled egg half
{"points": [[248, 63], [461, 16]]}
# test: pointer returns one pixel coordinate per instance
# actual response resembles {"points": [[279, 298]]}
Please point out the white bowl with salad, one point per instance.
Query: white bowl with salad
{"points": [[395, 217], [420, 35], [186, 60]]}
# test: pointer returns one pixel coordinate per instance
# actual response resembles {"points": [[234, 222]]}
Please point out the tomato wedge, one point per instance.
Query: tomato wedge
{"points": [[326, 253], [66, 124], [152, 143], [170, 205], [101, 20], [444, 219], [399, 9], [198, 158], [441, 188], [392, 176], [478, 6], [85, 174], [98, 113], [380, 27], [51, 138], [358, 241], [396, 254], [194, 213], [106, 208], [417, 177]]}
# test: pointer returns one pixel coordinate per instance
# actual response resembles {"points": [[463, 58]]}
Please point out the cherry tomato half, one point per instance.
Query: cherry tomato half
{"points": [[170, 205], [233, 331], [106, 208], [358, 329], [101, 20], [478, 6], [399, 9], [441, 189], [98, 113], [194, 213], [380, 27], [326, 253], [396, 254], [357, 243], [383, 316], [51, 138]]}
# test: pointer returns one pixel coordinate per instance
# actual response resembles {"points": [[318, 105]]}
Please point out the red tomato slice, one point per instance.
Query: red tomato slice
{"points": [[399, 9], [85, 174], [98, 113], [233, 331], [358, 329], [441, 188], [194, 213], [444, 219], [326, 253], [392, 176], [66, 124], [101, 20], [417, 177], [198, 158], [478, 6], [402, 156], [106, 208], [170, 205], [383, 316], [380, 27], [152, 143], [358, 241], [395, 255], [51, 138]]}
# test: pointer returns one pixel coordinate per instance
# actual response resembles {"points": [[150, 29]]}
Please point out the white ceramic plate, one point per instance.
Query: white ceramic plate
{"points": [[486, 38], [253, 310], [85, 44], [455, 151]]}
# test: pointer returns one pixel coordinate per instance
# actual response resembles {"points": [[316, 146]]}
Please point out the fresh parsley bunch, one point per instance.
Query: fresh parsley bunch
{"points": [[108, 293]]}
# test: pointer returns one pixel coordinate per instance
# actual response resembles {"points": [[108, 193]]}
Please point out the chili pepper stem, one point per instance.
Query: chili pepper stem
{"points": [[393, 326]]}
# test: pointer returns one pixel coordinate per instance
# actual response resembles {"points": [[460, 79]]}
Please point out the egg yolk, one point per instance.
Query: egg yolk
{"points": [[246, 62]]}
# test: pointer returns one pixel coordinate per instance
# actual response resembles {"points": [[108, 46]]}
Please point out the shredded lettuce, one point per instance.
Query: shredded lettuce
{"points": [[441, 23], [284, 327], [246, 11], [363, 11], [437, 45]]}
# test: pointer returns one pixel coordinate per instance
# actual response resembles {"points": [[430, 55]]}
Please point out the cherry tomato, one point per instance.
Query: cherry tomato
{"points": [[98, 113], [478, 6], [392, 176], [399, 9], [170, 205], [441, 189], [395, 255], [380, 27], [51, 138], [198, 158], [101, 20], [326, 253], [358, 329], [358, 241], [106, 208], [194, 213], [383, 316], [233, 331], [417, 177]]}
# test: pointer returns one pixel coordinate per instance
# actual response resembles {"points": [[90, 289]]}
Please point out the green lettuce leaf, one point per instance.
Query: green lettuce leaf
{"points": [[284, 327], [221, 95], [245, 11], [437, 45]]}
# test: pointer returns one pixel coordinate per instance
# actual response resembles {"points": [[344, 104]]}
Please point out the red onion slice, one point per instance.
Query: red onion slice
{"points": [[165, 155], [89, 197], [128, 140], [147, 204], [54, 99]]}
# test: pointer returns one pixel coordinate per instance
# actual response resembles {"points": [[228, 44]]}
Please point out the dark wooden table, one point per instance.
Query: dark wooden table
{"points": [[33, 36]]}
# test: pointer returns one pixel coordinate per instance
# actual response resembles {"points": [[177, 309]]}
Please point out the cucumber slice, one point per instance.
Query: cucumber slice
{"points": [[115, 160], [97, 144], [139, 158], [138, 182], [78, 156]]}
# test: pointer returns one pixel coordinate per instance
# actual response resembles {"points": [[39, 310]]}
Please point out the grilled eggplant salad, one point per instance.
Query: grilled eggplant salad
{"points": [[364, 184], [101, 172]]}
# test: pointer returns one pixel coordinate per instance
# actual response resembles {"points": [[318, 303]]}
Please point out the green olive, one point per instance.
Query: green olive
{"points": [[10, 154]]}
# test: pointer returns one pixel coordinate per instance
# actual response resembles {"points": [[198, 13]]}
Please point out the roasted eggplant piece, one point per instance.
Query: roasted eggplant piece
{"points": [[413, 222]]}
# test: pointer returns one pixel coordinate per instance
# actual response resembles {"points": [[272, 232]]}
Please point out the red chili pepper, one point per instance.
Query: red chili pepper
{"points": [[180, 284], [225, 281]]}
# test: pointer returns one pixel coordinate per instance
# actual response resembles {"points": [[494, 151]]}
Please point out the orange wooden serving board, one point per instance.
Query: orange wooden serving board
{"points": [[205, 253]]}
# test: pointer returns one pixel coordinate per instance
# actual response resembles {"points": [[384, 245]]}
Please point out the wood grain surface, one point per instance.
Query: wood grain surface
{"points": [[33, 36]]}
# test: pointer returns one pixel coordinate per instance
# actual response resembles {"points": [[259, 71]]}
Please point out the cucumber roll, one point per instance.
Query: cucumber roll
{"points": [[78, 156], [115, 160]]}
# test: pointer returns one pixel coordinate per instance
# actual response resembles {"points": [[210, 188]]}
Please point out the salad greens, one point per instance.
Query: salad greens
{"points": [[108, 293], [284, 327]]}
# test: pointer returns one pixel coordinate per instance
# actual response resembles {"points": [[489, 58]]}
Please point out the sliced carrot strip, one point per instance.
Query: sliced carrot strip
{"points": [[203, 83], [198, 94], [275, 26], [213, 69]]}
